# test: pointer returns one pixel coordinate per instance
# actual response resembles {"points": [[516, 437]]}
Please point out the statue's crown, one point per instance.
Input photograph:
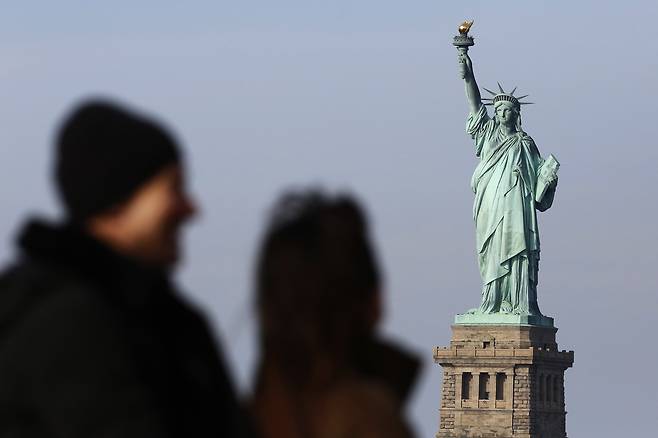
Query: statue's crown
{"points": [[504, 96]]}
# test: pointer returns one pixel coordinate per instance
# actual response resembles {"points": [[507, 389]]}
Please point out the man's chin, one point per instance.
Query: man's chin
{"points": [[171, 259], [167, 258], [170, 251]]}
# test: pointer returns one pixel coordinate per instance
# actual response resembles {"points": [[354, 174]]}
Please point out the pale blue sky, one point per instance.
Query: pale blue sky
{"points": [[365, 95]]}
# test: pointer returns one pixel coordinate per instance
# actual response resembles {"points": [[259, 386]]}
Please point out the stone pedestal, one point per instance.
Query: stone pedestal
{"points": [[502, 381]]}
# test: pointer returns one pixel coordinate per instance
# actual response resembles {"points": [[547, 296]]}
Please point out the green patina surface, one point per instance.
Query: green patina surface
{"points": [[502, 319], [511, 183]]}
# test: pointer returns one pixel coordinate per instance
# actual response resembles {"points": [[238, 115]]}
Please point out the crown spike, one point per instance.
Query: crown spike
{"points": [[512, 92], [500, 88], [489, 91], [526, 103], [521, 97]]}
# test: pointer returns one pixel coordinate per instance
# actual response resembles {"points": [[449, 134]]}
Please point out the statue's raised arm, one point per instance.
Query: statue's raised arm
{"points": [[472, 90]]}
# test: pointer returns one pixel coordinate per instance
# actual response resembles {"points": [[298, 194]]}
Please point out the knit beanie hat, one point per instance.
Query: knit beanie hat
{"points": [[104, 153]]}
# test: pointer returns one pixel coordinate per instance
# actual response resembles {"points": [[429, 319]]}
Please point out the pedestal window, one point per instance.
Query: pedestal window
{"points": [[466, 385], [501, 379], [484, 386]]}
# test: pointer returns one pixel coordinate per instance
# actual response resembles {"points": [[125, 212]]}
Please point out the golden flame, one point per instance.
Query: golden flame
{"points": [[465, 27]]}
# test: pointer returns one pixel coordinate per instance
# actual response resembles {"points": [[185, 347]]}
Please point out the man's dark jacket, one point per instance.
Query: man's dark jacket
{"points": [[94, 345]]}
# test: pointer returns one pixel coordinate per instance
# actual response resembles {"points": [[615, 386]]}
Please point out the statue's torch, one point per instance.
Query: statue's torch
{"points": [[463, 42]]}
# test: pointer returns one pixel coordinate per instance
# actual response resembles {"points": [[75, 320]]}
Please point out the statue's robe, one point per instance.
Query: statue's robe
{"points": [[505, 215]]}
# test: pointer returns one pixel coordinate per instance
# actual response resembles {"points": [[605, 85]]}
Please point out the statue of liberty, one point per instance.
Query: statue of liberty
{"points": [[511, 182]]}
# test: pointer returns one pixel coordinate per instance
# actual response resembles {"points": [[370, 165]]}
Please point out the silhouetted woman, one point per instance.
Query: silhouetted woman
{"points": [[322, 372]]}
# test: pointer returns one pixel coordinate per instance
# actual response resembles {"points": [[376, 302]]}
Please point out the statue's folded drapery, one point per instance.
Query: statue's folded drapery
{"points": [[505, 216]]}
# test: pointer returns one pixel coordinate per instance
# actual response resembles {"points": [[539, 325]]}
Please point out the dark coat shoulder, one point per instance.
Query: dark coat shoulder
{"points": [[93, 345]]}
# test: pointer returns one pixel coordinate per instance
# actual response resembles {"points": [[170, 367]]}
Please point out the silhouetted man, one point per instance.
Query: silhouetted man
{"points": [[94, 341]]}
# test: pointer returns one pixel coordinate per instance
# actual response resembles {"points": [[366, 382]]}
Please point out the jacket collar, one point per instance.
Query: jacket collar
{"points": [[68, 247]]}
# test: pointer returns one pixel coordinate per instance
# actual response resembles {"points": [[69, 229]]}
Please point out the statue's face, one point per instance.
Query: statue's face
{"points": [[506, 114]]}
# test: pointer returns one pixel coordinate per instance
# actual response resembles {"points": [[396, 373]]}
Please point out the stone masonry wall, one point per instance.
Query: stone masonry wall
{"points": [[524, 382], [448, 401]]}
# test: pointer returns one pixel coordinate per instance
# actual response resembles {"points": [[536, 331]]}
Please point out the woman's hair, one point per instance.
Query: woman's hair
{"points": [[316, 277]]}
